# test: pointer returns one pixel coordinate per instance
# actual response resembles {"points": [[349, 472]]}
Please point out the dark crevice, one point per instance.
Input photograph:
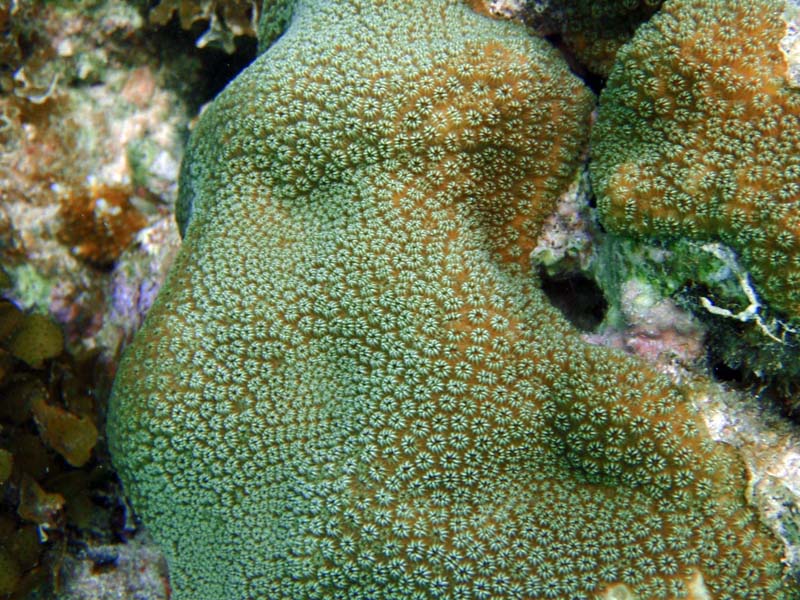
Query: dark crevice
{"points": [[577, 297], [221, 68], [200, 73], [595, 82], [723, 372]]}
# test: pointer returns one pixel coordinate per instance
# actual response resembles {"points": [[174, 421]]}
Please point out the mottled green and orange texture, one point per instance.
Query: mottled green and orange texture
{"points": [[351, 387], [698, 137]]}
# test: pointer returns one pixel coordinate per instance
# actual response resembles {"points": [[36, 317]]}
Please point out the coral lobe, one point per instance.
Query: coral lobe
{"points": [[350, 385]]}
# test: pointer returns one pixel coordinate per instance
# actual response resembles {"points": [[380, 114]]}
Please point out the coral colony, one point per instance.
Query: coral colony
{"points": [[351, 385]]}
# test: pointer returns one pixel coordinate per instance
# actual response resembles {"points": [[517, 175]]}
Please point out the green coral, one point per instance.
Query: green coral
{"points": [[276, 16], [350, 388], [698, 136]]}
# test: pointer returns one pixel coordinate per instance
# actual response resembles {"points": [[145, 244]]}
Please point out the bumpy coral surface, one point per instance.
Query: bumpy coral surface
{"points": [[699, 137], [349, 386]]}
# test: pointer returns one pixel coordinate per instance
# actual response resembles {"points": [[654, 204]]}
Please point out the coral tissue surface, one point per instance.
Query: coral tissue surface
{"points": [[351, 386], [698, 137]]}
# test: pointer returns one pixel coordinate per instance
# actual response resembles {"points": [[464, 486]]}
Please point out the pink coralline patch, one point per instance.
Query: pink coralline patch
{"points": [[656, 329], [654, 345], [140, 87], [658, 326]]}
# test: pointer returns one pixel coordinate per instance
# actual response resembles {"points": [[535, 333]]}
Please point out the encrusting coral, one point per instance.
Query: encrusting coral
{"points": [[698, 136], [350, 385]]}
